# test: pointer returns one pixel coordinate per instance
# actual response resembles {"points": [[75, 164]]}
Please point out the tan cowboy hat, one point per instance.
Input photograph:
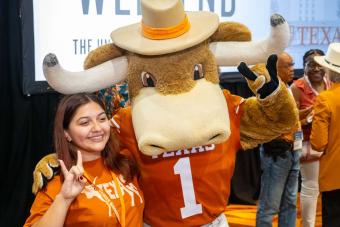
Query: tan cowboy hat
{"points": [[332, 58], [165, 28]]}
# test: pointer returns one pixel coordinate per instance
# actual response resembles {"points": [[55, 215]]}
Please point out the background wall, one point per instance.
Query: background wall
{"points": [[25, 123]]}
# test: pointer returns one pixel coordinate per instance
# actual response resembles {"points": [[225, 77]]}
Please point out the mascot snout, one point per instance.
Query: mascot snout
{"points": [[169, 119]]}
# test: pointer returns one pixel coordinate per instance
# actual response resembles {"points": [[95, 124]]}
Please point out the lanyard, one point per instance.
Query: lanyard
{"points": [[121, 219]]}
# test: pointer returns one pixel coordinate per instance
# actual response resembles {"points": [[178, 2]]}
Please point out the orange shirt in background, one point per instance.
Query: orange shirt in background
{"points": [[307, 99], [90, 208], [325, 137]]}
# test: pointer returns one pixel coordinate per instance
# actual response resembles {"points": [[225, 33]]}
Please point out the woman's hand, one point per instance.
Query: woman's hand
{"points": [[309, 117], [74, 182]]}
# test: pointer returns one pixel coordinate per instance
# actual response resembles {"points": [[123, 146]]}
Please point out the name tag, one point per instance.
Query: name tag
{"points": [[298, 137]]}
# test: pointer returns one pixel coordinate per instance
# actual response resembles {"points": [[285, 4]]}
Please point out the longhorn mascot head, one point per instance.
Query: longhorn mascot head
{"points": [[171, 60]]}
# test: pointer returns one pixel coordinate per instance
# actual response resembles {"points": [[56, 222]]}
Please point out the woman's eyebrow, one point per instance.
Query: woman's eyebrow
{"points": [[101, 113], [81, 118]]}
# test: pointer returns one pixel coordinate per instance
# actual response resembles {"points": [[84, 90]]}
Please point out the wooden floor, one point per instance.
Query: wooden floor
{"points": [[243, 215]]}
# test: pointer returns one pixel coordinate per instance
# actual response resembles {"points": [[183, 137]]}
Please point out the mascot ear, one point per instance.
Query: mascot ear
{"points": [[44, 171], [231, 31]]}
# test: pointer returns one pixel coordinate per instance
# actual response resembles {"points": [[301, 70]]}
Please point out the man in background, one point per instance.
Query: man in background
{"points": [[285, 67], [280, 167]]}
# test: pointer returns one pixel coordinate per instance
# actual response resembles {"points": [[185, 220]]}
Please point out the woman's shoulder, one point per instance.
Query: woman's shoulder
{"points": [[300, 83], [53, 187]]}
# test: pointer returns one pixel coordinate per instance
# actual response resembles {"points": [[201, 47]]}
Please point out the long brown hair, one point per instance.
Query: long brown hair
{"points": [[67, 152]]}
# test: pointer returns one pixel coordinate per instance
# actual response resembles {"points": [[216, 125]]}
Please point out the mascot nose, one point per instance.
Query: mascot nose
{"points": [[157, 146], [160, 143], [216, 136]]}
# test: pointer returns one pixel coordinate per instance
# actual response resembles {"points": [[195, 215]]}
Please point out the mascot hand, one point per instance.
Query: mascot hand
{"points": [[259, 83], [44, 171]]}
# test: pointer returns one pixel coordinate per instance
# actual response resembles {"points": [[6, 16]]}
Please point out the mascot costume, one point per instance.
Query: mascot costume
{"points": [[182, 130]]}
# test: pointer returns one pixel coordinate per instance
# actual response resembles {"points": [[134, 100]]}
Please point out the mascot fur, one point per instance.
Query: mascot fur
{"points": [[182, 130]]}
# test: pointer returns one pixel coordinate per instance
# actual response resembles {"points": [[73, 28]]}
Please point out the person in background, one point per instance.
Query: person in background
{"points": [[285, 67], [114, 98], [280, 166], [325, 137], [305, 91], [98, 185]]}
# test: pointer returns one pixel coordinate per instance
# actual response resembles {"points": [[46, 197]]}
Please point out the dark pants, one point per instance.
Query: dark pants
{"points": [[279, 184], [331, 208]]}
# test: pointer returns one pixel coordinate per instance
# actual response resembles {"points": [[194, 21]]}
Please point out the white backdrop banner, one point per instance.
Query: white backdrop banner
{"points": [[72, 28]]}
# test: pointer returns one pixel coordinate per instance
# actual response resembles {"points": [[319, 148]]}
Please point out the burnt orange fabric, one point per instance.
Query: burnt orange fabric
{"points": [[205, 172], [89, 208], [326, 137], [307, 99], [307, 96]]}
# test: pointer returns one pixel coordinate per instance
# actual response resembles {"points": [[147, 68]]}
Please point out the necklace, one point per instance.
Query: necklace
{"points": [[316, 93], [121, 219]]}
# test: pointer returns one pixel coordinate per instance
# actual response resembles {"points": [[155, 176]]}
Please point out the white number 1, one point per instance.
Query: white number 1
{"points": [[182, 167]]}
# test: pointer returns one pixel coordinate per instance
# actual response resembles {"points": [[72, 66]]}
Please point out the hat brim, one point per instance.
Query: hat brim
{"points": [[202, 26], [321, 61]]}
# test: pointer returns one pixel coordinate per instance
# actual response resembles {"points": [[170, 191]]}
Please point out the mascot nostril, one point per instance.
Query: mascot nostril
{"points": [[215, 136], [157, 146], [186, 182]]}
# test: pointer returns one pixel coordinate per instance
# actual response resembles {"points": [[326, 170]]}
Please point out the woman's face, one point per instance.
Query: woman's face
{"points": [[313, 70], [89, 128]]}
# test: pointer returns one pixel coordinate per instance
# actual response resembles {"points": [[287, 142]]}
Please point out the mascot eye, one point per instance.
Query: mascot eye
{"points": [[148, 79], [198, 72]]}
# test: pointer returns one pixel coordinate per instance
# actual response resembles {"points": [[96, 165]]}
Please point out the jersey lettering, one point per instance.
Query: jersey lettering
{"points": [[192, 150], [183, 168]]}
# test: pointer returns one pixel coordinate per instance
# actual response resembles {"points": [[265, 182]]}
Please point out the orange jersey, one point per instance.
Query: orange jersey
{"points": [[90, 208], [186, 187]]}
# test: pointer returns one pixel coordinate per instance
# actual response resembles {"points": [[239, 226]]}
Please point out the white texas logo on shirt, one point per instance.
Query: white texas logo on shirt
{"points": [[111, 190]]}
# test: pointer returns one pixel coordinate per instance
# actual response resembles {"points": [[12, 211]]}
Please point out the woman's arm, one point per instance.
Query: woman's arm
{"points": [[73, 184], [56, 214], [303, 113]]}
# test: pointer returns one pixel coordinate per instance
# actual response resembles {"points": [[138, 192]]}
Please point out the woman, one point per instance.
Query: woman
{"points": [[305, 91], [98, 185]]}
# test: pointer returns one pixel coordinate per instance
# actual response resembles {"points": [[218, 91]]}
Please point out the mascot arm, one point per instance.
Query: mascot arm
{"points": [[123, 129], [44, 171], [272, 113]]}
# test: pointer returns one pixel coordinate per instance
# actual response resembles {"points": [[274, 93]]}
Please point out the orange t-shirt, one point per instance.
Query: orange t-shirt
{"points": [[307, 99], [90, 208], [187, 187], [325, 137]]}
